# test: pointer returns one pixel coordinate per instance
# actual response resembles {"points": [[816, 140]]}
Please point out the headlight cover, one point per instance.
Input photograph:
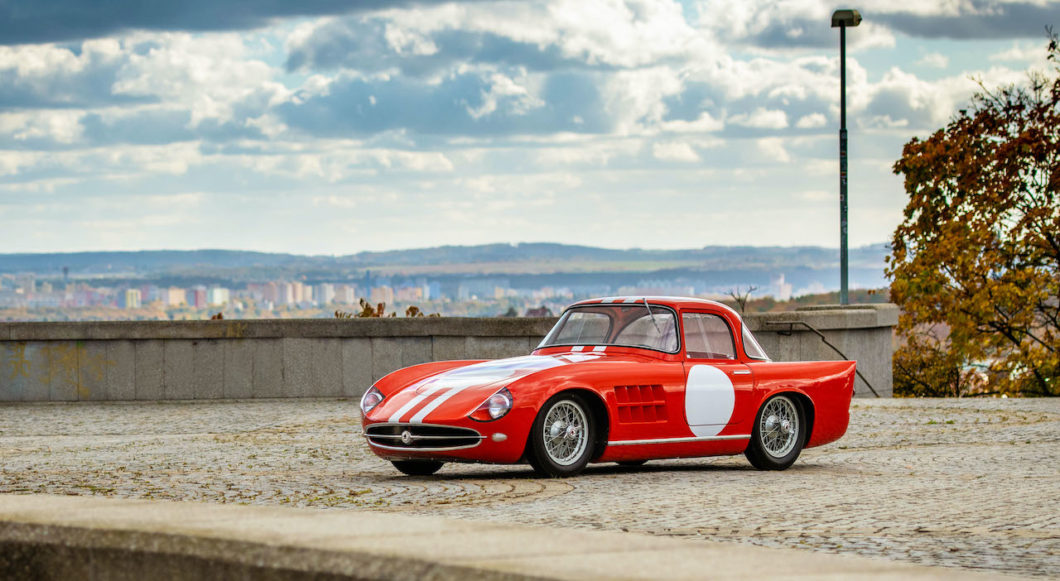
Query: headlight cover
{"points": [[370, 399], [494, 408]]}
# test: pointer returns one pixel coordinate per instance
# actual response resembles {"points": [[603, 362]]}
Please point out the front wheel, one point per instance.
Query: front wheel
{"points": [[778, 434], [417, 467], [561, 439]]}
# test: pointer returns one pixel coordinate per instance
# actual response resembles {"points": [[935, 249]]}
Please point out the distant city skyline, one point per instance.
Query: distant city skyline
{"points": [[330, 128]]}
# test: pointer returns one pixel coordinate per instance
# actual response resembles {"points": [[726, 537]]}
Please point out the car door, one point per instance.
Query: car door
{"points": [[718, 387]]}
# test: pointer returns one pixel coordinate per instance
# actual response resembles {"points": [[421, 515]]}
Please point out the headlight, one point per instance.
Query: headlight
{"points": [[370, 399], [494, 407]]}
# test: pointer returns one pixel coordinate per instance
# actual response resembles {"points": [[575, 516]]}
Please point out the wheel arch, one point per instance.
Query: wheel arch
{"points": [[597, 407], [807, 410]]}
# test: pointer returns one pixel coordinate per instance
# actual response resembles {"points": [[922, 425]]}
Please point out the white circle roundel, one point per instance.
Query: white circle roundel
{"points": [[709, 400]]}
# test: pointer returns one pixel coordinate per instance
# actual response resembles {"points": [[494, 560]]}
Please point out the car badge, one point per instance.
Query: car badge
{"points": [[406, 437]]}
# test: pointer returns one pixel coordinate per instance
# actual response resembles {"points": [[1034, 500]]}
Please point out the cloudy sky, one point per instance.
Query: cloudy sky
{"points": [[331, 127]]}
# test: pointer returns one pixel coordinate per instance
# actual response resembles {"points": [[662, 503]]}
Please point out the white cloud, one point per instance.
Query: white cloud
{"points": [[467, 107], [412, 160], [635, 98], [333, 201], [761, 118], [934, 60], [817, 196], [587, 153], [505, 89], [12, 162], [60, 126], [705, 123], [674, 151], [1020, 53], [773, 149], [811, 121], [209, 74]]}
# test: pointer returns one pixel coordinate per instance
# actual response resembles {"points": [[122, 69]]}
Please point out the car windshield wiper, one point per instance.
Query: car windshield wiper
{"points": [[652, 315]]}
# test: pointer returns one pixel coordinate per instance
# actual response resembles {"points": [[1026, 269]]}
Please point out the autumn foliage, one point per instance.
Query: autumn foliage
{"points": [[975, 264]]}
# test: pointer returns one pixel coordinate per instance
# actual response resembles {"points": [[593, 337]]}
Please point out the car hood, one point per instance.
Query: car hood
{"points": [[468, 386]]}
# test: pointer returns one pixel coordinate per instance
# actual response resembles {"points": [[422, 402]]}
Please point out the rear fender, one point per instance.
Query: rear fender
{"points": [[824, 388]]}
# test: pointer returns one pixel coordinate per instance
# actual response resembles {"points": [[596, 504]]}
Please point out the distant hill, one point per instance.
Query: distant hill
{"points": [[583, 269], [556, 257], [141, 261]]}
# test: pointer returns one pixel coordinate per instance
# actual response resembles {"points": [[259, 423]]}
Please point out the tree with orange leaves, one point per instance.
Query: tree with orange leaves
{"points": [[975, 265]]}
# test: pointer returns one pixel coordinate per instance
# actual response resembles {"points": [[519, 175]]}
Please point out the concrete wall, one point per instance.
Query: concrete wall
{"points": [[161, 360], [861, 332]]}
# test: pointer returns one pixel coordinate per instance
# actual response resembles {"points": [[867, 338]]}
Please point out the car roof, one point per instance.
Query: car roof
{"points": [[679, 303]]}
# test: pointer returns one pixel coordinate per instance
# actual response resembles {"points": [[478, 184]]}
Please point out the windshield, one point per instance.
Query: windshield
{"points": [[626, 325]]}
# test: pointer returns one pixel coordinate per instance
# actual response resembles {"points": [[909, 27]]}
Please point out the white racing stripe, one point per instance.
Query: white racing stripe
{"points": [[418, 418], [396, 417], [497, 373]]}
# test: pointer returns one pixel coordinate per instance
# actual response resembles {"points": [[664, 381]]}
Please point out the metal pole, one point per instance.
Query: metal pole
{"points": [[844, 298]]}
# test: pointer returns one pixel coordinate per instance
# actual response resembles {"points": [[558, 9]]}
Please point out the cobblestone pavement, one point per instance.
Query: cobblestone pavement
{"points": [[959, 483]]}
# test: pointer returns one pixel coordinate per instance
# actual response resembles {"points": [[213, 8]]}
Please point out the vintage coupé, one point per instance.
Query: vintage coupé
{"points": [[626, 380]]}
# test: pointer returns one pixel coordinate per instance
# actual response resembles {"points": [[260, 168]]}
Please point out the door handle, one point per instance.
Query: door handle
{"points": [[742, 372]]}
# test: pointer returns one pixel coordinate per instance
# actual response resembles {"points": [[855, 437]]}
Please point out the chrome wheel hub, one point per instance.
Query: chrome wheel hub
{"points": [[557, 430]]}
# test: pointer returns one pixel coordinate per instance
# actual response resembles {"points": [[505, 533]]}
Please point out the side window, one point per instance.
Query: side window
{"points": [[707, 337]]}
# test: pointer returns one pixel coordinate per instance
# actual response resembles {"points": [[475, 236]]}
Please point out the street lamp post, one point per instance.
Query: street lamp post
{"points": [[841, 19]]}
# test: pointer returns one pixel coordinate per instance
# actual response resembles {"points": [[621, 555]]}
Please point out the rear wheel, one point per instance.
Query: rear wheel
{"points": [[417, 467], [561, 439], [778, 434]]}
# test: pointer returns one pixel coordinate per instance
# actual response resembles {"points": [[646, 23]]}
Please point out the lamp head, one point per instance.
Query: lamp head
{"points": [[845, 18]]}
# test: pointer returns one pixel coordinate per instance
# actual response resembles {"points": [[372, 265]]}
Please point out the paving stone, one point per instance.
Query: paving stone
{"points": [[970, 484]]}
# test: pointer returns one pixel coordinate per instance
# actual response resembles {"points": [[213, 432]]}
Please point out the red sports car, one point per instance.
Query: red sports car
{"points": [[625, 380]]}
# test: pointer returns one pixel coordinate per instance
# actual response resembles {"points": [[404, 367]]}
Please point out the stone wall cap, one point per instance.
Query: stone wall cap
{"points": [[279, 328], [828, 317]]}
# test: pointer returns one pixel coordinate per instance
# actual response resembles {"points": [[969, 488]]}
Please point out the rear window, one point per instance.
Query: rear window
{"points": [[751, 346]]}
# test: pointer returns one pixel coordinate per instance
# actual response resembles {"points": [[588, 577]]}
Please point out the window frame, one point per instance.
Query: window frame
{"points": [[728, 327]]}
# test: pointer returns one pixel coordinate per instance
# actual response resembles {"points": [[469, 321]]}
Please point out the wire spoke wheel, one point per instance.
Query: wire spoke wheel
{"points": [[779, 426], [778, 435], [562, 437], [564, 434]]}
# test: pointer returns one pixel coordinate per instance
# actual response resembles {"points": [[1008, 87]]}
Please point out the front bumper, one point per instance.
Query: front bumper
{"points": [[454, 439], [421, 437]]}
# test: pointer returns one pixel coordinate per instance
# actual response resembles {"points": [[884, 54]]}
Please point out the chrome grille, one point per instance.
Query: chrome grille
{"points": [[421, 437]]}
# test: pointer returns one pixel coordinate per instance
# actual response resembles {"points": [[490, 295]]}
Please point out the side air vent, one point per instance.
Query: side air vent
{"points": [[641, 403]]}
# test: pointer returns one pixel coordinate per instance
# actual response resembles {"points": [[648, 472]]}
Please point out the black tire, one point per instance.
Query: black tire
{"points": [[775, 445], [562, 437], [417, 467], [631, 463]]}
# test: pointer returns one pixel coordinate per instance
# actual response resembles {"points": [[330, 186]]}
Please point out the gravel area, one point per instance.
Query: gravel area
{"points": [[961, 483]]}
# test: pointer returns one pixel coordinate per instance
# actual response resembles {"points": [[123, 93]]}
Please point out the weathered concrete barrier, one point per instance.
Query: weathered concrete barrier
{"points": [[863, 333], [239, 359], [49, 537]]}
